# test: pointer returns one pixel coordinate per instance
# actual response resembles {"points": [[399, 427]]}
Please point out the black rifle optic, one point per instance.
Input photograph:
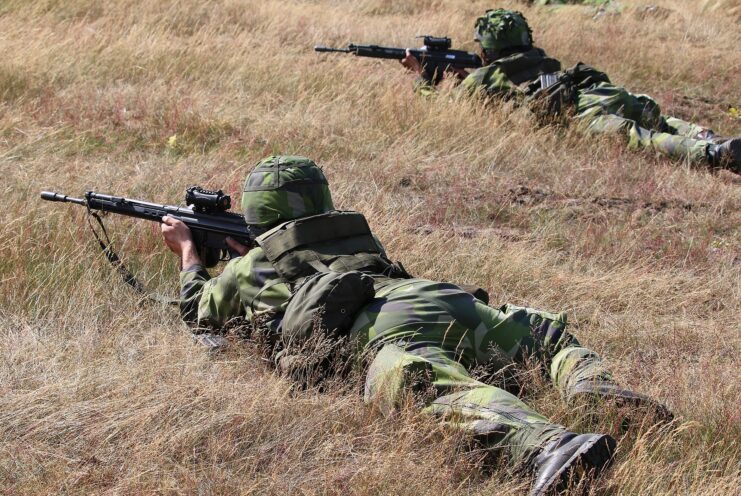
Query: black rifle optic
{"points": [[206, 215], [435, 55]]}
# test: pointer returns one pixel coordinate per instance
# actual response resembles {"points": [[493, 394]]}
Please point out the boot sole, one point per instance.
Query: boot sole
{"points": [[598, 449], [734, 155]]}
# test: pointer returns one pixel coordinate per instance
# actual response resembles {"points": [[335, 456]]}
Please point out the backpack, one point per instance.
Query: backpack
{"points": [[326, 301], [551, 93]]}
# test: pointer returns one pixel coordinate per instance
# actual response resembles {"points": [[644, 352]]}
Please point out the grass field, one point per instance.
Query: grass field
{"points": [[101, 394]]}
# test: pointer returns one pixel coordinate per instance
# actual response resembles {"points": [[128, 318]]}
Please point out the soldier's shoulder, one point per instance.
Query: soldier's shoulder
{"points": [[482, 75], [254, 268], [487, 69]]}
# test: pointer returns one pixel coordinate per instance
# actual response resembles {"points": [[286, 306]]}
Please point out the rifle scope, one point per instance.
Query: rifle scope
{"points": [[205, 201]]}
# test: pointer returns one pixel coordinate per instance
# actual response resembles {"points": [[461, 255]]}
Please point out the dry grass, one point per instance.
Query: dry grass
{"points": [[99, 394]]}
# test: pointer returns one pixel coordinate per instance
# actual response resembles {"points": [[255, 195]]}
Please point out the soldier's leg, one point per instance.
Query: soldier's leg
{"points": [[490, 414], [610, 109], [577, 372], [493, 417], [687, 129], [674, 146]]}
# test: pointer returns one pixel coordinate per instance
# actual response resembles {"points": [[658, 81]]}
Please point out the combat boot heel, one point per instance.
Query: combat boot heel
{"points": [[568, 459], [726, 155]]}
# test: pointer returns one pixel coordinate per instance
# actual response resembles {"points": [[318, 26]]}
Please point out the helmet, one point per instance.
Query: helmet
{"points": [[501, 28], [284, 187]]}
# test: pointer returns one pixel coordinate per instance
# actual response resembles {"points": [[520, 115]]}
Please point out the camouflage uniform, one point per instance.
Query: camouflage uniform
{"points": [[424, 335], [600, 108], [421, 327]]}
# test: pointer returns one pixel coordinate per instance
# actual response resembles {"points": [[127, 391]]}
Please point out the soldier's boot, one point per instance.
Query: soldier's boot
{"points": [[726, 154], [591, 392], [583, 380], [568, 459]]}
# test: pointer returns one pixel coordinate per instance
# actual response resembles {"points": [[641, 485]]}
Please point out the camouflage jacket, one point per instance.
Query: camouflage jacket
{"points": [[249, 286], [507, 77], [402, 309]]}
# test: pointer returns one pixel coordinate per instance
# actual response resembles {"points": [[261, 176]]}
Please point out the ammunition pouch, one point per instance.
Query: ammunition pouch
{"points": [[327, 302], [550, 94], [330, 261]]}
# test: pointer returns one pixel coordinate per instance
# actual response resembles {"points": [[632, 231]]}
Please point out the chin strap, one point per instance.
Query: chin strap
{"points": [[128, 277]]}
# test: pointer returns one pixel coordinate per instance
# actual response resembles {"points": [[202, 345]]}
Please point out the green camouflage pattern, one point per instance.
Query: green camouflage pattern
{"points": [[284, 187], [507, 76], [602, 108], [426, 336], [498, 29], [492, 416], [574, 366], [247, 288], [609, 109], [605, 108]]}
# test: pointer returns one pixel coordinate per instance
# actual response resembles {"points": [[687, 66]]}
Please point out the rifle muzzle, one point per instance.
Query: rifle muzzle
{"points": [[59, 197]]}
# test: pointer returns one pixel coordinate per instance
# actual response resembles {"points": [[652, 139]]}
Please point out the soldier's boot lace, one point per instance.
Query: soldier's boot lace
{"points": [[726, 155], [568, 460]]}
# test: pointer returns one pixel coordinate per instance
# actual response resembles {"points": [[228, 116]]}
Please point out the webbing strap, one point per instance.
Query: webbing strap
{"points": [[523, 67], [318, 229]]}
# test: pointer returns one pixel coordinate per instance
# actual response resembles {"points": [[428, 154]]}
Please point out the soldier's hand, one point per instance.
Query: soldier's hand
{"points": [[237, 246], [176, 234], [178, 238], [411, 63], [459, 72]]}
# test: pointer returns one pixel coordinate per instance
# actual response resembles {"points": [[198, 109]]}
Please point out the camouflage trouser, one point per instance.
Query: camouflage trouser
{"points": [[607, 108], [438, 370]]}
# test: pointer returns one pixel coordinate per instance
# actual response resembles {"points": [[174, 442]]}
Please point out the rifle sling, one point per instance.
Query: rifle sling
{"points": [[115, 261]]}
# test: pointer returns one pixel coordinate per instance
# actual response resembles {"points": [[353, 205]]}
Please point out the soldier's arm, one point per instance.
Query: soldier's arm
{"points": [[248, 287], [192, 280], [210, 303], [491, 81], [205, 302]]}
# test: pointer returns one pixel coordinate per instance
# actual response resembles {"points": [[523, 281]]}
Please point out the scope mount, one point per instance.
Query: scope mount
{"points": [[435, 43]]}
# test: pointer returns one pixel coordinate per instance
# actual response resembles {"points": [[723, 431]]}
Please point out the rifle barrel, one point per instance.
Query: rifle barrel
{"points": [[322, 48], [59, 197]]}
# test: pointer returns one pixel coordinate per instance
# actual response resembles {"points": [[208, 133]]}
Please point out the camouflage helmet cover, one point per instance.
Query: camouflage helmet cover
{"points": [[284, 187], [502, 28]]}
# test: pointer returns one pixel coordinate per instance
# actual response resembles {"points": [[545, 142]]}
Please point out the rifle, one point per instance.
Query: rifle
{"points": [[435, 55], [206, 215]]}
